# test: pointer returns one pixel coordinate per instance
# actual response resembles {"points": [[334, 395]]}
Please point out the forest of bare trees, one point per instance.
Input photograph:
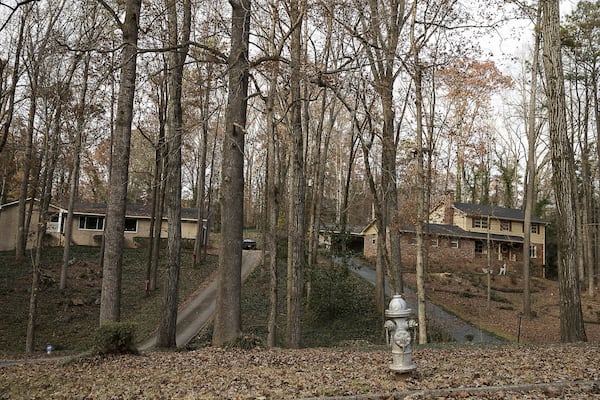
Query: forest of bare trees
{"points": [[284, 115]]}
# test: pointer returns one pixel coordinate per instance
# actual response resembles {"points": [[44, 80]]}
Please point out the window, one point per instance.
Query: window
{"points": [[454, 243], [533, 251], [535, 228], [90, 222], [505, 226], [373, 239], [480, 223], [434, 242], [478, 246], [130, 225]]}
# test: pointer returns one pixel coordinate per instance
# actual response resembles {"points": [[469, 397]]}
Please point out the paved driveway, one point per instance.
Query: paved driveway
{"points": [[457, 328], [199, 311]]}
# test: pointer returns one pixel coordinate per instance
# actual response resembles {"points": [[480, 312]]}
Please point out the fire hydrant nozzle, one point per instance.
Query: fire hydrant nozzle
{"points": [[397, 335]]}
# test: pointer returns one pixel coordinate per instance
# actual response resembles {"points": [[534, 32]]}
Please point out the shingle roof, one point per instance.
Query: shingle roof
{"points": [[478, 210], [133, 210], [455, 231]]}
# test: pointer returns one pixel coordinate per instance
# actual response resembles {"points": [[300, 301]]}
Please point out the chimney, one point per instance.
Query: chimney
{"points": [[448, 209]]}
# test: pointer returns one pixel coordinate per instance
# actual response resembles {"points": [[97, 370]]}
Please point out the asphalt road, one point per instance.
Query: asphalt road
{"points": [[457, 328], [199, 311]]}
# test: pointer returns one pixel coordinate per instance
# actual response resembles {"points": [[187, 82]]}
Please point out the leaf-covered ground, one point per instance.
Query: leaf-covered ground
{"points": [[465, 294], [502, 372]]}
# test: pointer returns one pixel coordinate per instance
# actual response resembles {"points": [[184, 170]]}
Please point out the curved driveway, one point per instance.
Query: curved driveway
{"points": [[457, 328]]}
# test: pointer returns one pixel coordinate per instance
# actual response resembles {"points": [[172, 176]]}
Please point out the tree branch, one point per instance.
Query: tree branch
{"points": [[112, 12]]}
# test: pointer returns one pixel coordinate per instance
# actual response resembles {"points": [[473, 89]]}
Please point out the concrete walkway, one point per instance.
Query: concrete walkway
{"points": [[457, 328], [199, 311]]}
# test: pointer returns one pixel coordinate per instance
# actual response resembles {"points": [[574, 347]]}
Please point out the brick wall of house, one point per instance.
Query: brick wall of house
{"points": [[441, 256], [444, 257]]}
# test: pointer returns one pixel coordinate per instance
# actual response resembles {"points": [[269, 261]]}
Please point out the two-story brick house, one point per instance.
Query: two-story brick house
{"points": [[460, 234]]}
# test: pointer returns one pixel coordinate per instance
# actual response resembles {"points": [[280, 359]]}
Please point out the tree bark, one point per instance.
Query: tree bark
{"points": [[201, 187], [571, 317], [110, 298], [74, 179], [176, 60], [530, 176], [421, 189], [227, 322], [50, 157], [296, 227]]}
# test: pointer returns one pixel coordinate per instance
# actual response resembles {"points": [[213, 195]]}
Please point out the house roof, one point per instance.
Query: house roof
{"points": [[335, 228], [133, 210], [457, 232], [29, 199], [479, 210]]}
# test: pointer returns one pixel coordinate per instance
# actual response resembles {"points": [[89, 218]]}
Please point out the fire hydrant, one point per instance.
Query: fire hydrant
{"points": [[397, 335]]}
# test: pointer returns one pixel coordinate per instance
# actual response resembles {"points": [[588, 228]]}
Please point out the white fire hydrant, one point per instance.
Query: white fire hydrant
{"points": [[397, 335]]}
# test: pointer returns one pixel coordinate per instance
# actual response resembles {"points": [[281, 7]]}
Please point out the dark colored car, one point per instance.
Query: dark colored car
{"points": [[249, 244]]}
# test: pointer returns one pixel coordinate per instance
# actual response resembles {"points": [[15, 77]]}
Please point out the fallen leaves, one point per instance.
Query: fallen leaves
{"points": [[459, 372]]}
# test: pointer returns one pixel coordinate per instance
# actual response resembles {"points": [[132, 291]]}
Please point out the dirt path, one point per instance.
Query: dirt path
{"points": [[199, 310]]}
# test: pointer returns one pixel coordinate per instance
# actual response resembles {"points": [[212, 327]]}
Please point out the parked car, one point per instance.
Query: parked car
{"points": [[249, 244]]}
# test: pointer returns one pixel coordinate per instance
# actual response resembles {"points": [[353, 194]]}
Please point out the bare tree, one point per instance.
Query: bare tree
{"points": [[38, 51], [296, 223], [176, 60], [110, 300], [531, 162], [563, 179], [227, 321]]}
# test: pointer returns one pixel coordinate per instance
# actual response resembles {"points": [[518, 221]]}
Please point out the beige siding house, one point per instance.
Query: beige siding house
{"points": [[459, 233], [88, 225]]}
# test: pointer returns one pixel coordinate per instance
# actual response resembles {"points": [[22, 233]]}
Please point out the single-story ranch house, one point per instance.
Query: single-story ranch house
{"points": [[458, 235], [88, 224]]}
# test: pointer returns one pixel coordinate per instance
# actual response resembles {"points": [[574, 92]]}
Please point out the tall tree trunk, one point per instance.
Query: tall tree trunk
{"points": [[50, 156], [421, 202], [74, 179], [110, 298], [296, 239], [273, 179], [390, 192], [21, 240], [273, 200], [227, 322], [161, 160], [571, 317], [157, 191], [176, 60], [201, 188], [530, 175]]}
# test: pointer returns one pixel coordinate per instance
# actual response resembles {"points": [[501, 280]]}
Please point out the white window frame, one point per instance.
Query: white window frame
{"points": [[454, 243], [83, 222], [532, 251]]}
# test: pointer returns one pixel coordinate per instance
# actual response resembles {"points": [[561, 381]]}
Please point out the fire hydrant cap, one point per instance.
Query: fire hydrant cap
{"points": [[397, 307]]}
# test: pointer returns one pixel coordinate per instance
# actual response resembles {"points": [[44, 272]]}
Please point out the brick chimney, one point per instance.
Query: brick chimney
{"points": [[448, 209]]}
